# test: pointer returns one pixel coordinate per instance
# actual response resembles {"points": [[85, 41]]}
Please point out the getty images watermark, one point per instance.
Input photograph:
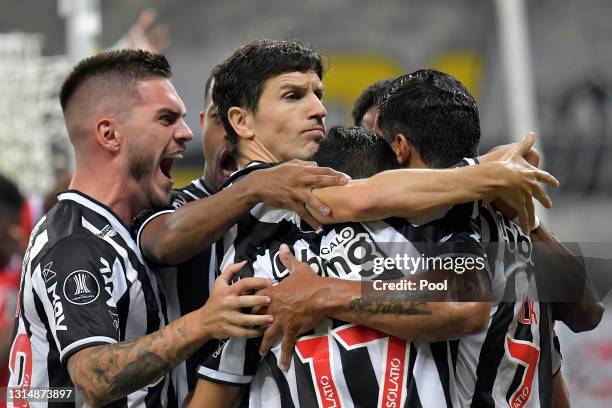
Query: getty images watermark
{"points": [[411, 265]]}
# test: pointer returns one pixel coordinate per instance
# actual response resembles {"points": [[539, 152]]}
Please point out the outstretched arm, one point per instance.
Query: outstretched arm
{"points": [[173, 238], [412, 193], [109, 372]]}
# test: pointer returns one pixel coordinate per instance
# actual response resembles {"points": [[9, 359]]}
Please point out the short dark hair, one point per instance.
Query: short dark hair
{"points": [[239, 80], [367, 99], [356, 151], [127, 65], [207, 88], [435, 112], [11, 200]]}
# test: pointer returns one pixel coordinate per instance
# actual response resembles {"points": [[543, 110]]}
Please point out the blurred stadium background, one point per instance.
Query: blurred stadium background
{"points": [[560, 74]]}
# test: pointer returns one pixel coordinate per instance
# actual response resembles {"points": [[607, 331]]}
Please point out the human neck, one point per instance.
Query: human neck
{"points": [[111, 189], [253, 152]]}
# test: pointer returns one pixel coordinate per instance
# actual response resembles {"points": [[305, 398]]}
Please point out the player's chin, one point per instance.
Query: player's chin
{"points": [[160, 196]]}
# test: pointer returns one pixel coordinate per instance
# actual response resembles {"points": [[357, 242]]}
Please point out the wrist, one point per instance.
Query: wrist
{"points": [[250, 191]]}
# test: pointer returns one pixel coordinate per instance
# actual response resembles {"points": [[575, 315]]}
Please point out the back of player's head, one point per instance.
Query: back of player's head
{"points": [[115, 70], [240, 79], [367, 99], [356, 151], [435, 112]]}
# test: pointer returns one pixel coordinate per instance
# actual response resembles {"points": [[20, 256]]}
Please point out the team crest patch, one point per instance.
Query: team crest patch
{"points": [[81, 288]]}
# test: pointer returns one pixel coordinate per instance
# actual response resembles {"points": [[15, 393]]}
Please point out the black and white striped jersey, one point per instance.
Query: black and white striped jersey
{"points": [[513, 362], [187, 286], [339, 364], [83, 284]]}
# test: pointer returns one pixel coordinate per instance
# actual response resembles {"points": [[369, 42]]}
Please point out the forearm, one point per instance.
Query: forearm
{"points": [[109, 372], [195, 226], [581, 311], [214, 395], [408, 193], [400, 316]]}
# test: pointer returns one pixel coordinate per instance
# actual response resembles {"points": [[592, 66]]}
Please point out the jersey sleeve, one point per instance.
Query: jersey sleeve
{"points": [[74, 283], [234, 362], [177, 199]]}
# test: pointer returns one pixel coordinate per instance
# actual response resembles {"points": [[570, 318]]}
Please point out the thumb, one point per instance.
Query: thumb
{"points": [[527, 143], [287, 257]]}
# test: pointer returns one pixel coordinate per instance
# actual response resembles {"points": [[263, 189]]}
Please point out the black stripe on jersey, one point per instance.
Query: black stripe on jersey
{"points": [[360, 378], [56, 373], [280, 380], [491, 355], [306, 391], [440, 356], [454, 350], [412, 393], [249, 168], [545, 364]]}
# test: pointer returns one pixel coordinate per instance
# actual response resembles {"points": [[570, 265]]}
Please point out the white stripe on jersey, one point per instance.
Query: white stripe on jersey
{"points": [[426, 377], [198, 184], [148, 220], [111, 218], [94, 339], [131, 273], [232, 378]]}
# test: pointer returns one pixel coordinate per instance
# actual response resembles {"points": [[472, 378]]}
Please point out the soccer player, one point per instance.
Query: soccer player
{"points": [[365, 110], [430, 119], [360, 153], [268, 96], [184, 234], [91, 316]]}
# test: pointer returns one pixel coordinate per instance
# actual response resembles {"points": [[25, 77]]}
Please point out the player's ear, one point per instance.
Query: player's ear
{"points": [[202, 116], [242, 121], [408, 155], [107, 134], [401, 147]]}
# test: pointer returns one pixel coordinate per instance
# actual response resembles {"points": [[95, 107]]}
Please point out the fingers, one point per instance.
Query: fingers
{"points": [[312, 201], [287, 257], [527, 143], [250, 284], [252, 301], [310, 220], [146, 19], [546, 177], [229, 272], [268, 338], [325, 180], [287, 345], [250, 320], [539, 194]]}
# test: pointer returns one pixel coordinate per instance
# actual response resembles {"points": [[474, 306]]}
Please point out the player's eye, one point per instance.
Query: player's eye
{"points": [[293, 96]]}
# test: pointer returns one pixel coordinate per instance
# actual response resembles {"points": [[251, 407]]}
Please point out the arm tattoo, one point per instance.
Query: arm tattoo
{"points": [[109, 372], [387, 305]]}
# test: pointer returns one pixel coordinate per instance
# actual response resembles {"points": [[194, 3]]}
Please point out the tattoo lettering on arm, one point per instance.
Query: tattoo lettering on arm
{"points": [[388, 305]]}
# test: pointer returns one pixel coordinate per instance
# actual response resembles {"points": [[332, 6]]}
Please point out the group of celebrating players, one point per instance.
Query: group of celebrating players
{"points": [[122, 298]]}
